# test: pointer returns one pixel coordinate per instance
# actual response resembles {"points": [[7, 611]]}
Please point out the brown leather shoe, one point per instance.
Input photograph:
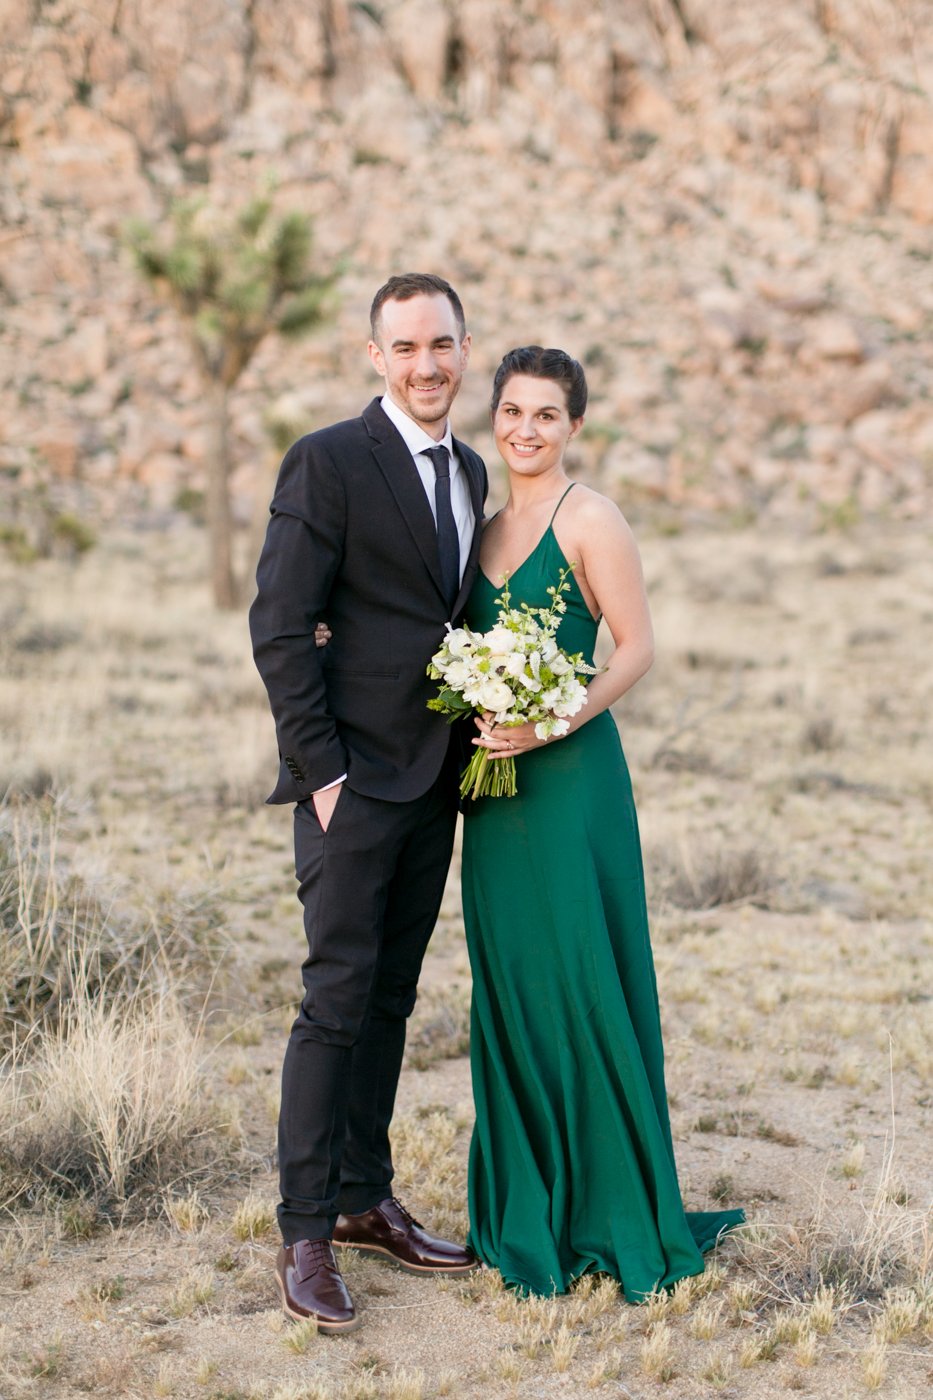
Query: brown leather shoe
{"points": [[312, 1286], [388, 1229]]}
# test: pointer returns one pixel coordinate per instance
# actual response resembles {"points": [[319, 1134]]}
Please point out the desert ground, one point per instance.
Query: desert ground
{"points": [[781, 756]]}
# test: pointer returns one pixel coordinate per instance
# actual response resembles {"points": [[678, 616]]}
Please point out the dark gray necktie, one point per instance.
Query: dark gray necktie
{"points": [[448, 541]]}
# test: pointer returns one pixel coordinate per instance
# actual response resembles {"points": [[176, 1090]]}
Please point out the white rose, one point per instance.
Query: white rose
{"points": [[515, 664], [500, 640], [495, 696]]}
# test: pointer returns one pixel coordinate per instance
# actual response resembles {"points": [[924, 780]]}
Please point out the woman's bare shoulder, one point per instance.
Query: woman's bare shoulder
{"points": [[590, 509]]}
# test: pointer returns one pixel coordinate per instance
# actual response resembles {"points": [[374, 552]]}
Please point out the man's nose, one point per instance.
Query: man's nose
{"points": [[425, 363]]}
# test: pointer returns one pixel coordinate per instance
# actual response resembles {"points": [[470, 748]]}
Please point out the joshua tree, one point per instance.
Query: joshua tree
{"points": [[232, 280]]}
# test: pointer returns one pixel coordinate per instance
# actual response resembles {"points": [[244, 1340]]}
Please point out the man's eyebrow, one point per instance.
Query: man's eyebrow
{"points": [[438, 340]]}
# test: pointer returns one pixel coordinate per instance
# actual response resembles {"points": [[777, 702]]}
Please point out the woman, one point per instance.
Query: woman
{"points": [[571, 1163]]}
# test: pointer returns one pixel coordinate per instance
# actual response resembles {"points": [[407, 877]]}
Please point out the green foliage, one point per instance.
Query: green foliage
{"points": [[73, 532], [233, 278]]}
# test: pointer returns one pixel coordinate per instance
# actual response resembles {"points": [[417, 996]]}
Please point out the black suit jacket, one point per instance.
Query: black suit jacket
{"points": [[352, 540]]}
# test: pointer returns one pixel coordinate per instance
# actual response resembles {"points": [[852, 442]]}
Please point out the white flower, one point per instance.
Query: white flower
{"points": [[500, 640], [515, 664], [496, 696], [559, 664], [572, 700], [551, 727], [456, 674], [459, 642]]}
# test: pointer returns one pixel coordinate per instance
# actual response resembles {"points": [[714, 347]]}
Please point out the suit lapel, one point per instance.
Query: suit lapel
{"points": [[399, 470]]}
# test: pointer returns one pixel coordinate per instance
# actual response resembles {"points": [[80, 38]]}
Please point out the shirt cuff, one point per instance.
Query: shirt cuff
{"points": [[327, 787]]}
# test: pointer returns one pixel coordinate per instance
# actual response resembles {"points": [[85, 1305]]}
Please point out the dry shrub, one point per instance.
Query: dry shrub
{"points": [[60, 938], [707, 878], [886, 1246], [107, 1103], [440, 1026]]}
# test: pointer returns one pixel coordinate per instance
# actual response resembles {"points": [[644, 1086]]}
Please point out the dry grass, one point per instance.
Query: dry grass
{"points": [[795, 946], [253, 1219], [709, 876], [61, 938], [107, 1102], [440, 1026]]}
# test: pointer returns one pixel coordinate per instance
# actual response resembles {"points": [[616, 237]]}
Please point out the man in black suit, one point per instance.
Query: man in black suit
{"points": [[375, 526]]}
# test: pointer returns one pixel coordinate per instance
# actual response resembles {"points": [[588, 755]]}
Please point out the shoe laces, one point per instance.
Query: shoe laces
{"points": [[405, 1213], [320, 1251]]}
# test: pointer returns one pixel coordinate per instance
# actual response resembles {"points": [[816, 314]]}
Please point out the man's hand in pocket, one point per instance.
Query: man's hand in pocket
{"points": [[325, 802]]}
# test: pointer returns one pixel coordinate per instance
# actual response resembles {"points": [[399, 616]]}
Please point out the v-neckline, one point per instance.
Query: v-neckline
{"points": [[507, 579], [549, 531]]}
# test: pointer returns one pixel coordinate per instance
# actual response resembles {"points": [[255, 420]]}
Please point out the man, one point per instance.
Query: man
{"points": [[375, 526]]}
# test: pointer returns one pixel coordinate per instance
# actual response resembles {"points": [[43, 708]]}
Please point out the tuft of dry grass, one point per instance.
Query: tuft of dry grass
{"points": [[875, 1363], [564, 1348], [718, 1370], [60, 937], [299, 1337], [706, 1322], [708, 877], [834, 1257], [108, 1102], [657, 1353], [187, 1213], [192, 1293], [253, 1219]]}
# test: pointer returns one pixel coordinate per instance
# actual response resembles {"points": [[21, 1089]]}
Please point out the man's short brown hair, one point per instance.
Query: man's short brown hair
{"points": [[414, 284]]}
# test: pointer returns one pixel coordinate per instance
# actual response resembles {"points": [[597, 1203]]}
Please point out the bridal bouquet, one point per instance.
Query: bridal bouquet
{"points": [[517, 673]]}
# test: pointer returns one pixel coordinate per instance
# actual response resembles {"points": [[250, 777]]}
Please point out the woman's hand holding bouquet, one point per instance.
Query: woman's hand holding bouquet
{"points": [[514, 675]]}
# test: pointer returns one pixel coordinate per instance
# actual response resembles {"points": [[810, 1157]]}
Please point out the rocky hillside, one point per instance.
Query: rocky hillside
{"points": [[724, 207]]}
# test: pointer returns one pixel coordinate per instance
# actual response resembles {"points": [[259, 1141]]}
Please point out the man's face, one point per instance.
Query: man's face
{"points": [[421, 358]]}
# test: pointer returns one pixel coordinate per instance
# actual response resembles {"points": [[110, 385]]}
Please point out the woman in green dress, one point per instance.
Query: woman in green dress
{"points": [[571, 1163]]}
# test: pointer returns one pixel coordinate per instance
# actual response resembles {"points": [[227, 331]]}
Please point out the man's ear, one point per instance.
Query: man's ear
{"points": [[377, 357], [466, 345]]}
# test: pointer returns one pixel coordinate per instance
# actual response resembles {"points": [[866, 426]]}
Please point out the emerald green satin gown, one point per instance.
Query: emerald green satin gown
{"points": [[571, 1161]]}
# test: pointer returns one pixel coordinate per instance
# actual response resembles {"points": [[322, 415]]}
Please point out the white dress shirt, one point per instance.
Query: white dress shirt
{"points": [[418, 441]]}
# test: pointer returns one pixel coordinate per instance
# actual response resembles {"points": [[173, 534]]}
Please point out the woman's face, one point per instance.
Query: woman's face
{"points": [[531, 424]]}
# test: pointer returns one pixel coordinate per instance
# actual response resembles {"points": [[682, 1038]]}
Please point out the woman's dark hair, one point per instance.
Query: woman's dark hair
{"points": [[544, 364], [413, 284]]}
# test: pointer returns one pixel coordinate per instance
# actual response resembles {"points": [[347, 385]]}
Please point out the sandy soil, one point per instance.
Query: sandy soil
{"points": [[781, 756]]}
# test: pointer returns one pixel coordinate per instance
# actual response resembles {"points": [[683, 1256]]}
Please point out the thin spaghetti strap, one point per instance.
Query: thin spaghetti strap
{"points": [[561, 502]]}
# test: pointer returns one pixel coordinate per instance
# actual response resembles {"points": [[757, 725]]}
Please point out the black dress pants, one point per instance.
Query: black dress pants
{"points": [[371, 887]]}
